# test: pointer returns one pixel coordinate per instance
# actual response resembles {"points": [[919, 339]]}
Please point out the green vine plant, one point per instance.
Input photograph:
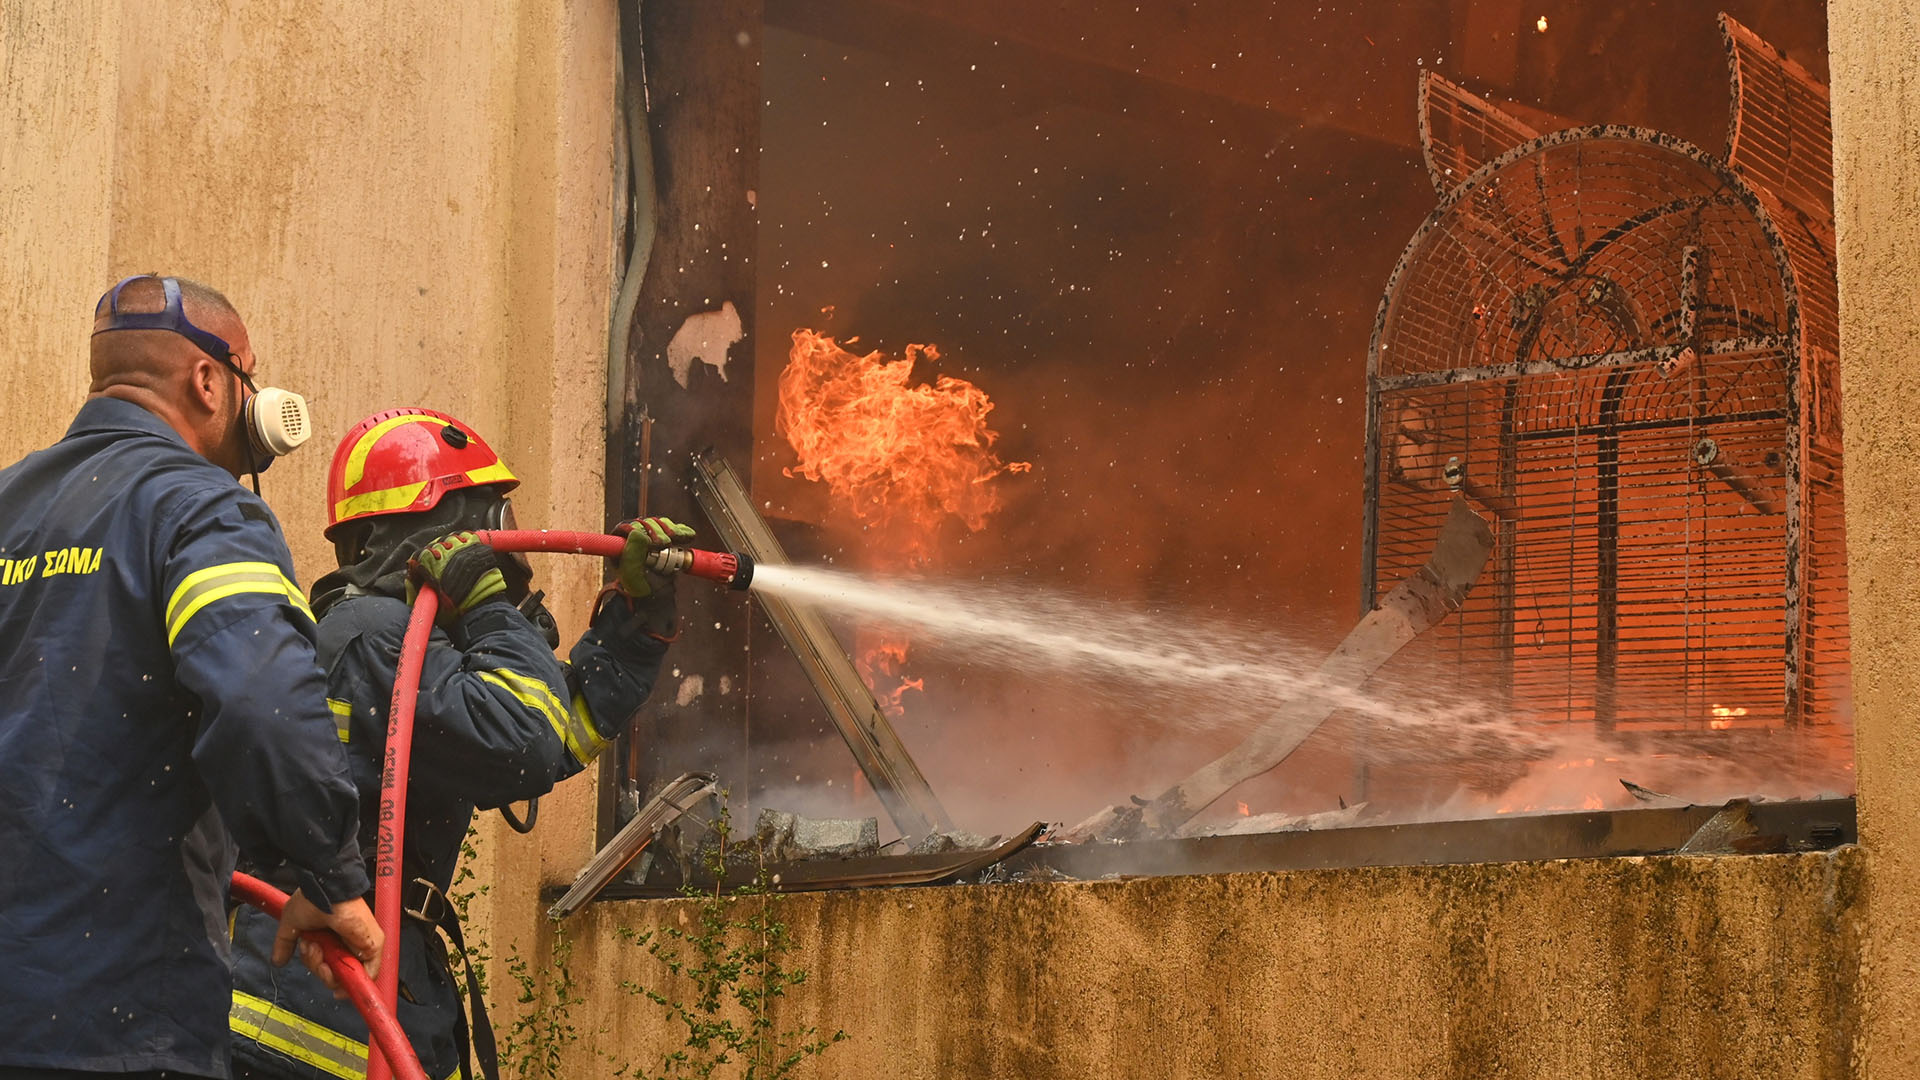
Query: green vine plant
{"points": [[732, 956], [461, 894], [732, 960], [532, 1045]]}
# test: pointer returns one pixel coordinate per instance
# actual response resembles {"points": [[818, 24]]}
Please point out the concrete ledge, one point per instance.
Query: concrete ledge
{"points": [[1655, 967]]}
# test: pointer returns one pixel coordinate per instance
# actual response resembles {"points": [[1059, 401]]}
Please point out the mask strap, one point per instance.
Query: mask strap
{"points": [[172, 318]]}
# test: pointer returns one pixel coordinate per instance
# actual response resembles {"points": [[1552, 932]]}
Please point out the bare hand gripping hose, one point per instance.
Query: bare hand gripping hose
{"points": [[385, 1029], [716, 566]]}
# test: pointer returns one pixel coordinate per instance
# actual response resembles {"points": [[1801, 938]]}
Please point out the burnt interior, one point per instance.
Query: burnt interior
{"points": [[1159, 239]]}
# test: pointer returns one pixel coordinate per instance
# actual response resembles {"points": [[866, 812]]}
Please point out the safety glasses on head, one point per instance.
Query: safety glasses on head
{"points": [[276, 420]]}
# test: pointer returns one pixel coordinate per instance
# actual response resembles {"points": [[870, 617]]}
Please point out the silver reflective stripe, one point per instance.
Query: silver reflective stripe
{"points": [[297, 1037], [302, 1039]]}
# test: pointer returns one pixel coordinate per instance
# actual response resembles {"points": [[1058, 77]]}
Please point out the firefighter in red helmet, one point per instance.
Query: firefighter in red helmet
{"points": [[500, 718]]}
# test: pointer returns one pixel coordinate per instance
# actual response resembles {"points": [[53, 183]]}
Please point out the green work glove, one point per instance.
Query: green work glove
{"points": [[463, 569], [645, 536]]}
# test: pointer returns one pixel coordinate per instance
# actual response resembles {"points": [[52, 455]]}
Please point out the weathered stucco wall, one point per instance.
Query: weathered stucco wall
{"points": [[1629, 968], [409, 204], [57, 120], [1875, 54]]}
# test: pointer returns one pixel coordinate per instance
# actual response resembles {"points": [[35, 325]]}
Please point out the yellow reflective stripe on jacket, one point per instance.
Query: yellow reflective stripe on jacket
{"points": [[342, 717], [574, 731], [302, 1039], [297, 1037], [393, 498], [584, 717], [203, 587]]}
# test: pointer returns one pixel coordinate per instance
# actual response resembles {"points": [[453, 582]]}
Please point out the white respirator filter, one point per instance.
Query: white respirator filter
{"points": [[277, 420]]}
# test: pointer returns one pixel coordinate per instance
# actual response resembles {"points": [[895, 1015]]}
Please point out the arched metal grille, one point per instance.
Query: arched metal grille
{"points": [[1599, 337]]}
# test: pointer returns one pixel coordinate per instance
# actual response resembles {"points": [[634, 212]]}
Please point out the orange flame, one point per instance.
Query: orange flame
{"points": [[1245, 811], [1723, 717], [881, 658], [902, 458]]}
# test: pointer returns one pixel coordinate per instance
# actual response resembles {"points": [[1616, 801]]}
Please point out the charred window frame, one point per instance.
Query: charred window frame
{"points": [[1615, 350]]}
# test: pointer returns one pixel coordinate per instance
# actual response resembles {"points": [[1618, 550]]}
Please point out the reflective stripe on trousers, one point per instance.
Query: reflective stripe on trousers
{"points": [[300, 1038]]}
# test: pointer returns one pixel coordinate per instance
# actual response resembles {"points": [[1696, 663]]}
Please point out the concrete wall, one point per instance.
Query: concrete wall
{"points": [[1629, 968], [57, 122], [409, 204], [1875, 55]]}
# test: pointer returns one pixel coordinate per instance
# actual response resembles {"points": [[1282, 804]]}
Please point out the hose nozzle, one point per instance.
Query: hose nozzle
{"points": [[728, 568]]}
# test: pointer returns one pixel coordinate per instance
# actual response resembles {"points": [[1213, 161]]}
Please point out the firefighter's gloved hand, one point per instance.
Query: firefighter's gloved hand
{"points": [[644, 537], [461, 567], [350, 919]]}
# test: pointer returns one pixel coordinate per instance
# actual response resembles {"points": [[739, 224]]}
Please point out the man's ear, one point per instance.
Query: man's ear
{"points": [[204, 384]]}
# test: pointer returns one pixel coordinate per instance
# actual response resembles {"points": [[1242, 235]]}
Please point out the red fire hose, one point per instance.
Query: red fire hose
{"points": [[406, 691], [380, 1022], [394, 775]]}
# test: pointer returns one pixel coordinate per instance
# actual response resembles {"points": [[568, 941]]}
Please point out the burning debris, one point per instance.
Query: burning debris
{"points": [[1603, 392], [902, 457]]}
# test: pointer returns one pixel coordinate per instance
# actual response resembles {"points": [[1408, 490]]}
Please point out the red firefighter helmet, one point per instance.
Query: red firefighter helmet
{"points": [[402, 461]]}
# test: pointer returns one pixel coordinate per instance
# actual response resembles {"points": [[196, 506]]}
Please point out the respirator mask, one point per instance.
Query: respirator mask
{"points": [[518, 572], [275, 420]]}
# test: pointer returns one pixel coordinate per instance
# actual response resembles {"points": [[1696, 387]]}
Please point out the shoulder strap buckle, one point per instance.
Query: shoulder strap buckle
{"points": [[423, 900]]}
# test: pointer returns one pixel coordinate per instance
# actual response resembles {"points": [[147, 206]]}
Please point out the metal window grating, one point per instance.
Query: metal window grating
{"points": [[1624, 350], [1460, 131], [1631, 584]]}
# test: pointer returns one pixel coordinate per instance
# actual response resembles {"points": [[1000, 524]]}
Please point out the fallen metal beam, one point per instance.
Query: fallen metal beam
{"points": [[1412, 608], [1804, 825], [859, 872], [876, 747], [674, 800]]}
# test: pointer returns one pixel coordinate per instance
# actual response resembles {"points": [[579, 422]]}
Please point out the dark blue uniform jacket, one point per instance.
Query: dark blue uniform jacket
{"points": [[159, 701], [499, 719]]}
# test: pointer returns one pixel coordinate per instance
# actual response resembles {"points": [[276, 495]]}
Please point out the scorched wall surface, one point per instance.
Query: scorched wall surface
{"points": [[1628, 968]]}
